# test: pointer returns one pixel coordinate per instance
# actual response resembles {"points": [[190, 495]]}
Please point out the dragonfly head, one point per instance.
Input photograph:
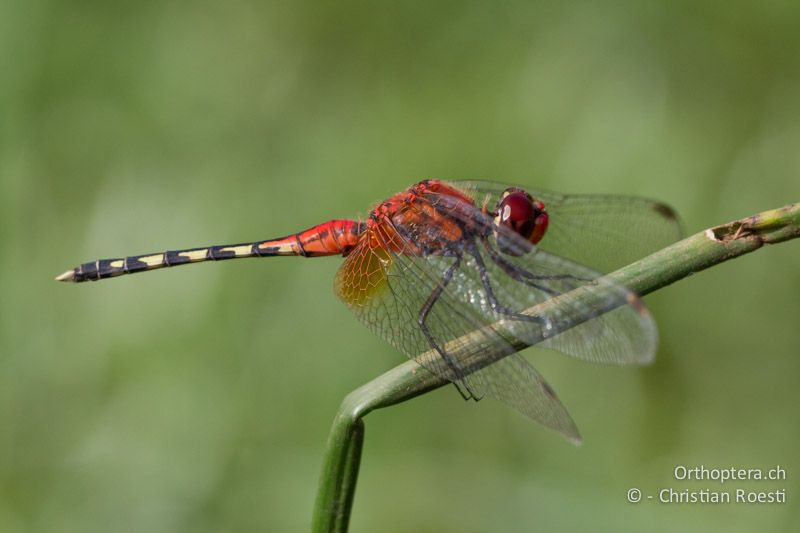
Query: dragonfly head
{"points": [[521, 213]]}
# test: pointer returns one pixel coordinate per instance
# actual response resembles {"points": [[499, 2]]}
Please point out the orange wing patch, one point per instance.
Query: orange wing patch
{"points": [[363, 273]]}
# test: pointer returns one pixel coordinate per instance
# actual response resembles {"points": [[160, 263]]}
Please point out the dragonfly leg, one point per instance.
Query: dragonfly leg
{"points": [[458, 373], [529, 278], [496, 306], [524, 276]]}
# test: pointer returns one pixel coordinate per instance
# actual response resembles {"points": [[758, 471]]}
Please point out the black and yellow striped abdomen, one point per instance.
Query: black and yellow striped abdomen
{"points": [[109, 268], [331, 238]]}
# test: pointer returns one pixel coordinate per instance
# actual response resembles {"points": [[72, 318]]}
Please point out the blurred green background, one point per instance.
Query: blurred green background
{"points": [[199, 399]]}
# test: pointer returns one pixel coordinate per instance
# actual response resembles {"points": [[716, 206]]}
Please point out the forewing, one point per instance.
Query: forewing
{"points": [[602, 232], [386, 282], [610, 325], [620, 331]]}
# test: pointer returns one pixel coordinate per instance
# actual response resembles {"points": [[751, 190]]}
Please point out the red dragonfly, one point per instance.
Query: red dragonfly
{"points": [[445, 259]]}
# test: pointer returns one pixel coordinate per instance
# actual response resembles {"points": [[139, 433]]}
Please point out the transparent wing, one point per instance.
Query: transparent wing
{"points": [[445, 310], [603, 232], [622, 331], [387, 291]]}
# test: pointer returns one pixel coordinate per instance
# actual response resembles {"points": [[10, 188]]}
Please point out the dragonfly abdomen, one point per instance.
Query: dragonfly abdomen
{"points": [[109, 268], [331, 238]]}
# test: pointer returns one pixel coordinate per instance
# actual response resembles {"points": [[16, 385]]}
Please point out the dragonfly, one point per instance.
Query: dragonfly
{"points": [[446, 271]]}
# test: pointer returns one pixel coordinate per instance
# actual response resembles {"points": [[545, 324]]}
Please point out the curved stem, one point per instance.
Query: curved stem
{"points": [[693, 254]]}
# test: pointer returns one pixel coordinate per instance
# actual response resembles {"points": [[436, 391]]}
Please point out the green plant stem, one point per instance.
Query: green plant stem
{"points": [[666, 266]]}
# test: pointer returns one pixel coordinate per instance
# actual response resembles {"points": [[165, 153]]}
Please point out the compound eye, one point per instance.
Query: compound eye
{"points": [[518, 211]]}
